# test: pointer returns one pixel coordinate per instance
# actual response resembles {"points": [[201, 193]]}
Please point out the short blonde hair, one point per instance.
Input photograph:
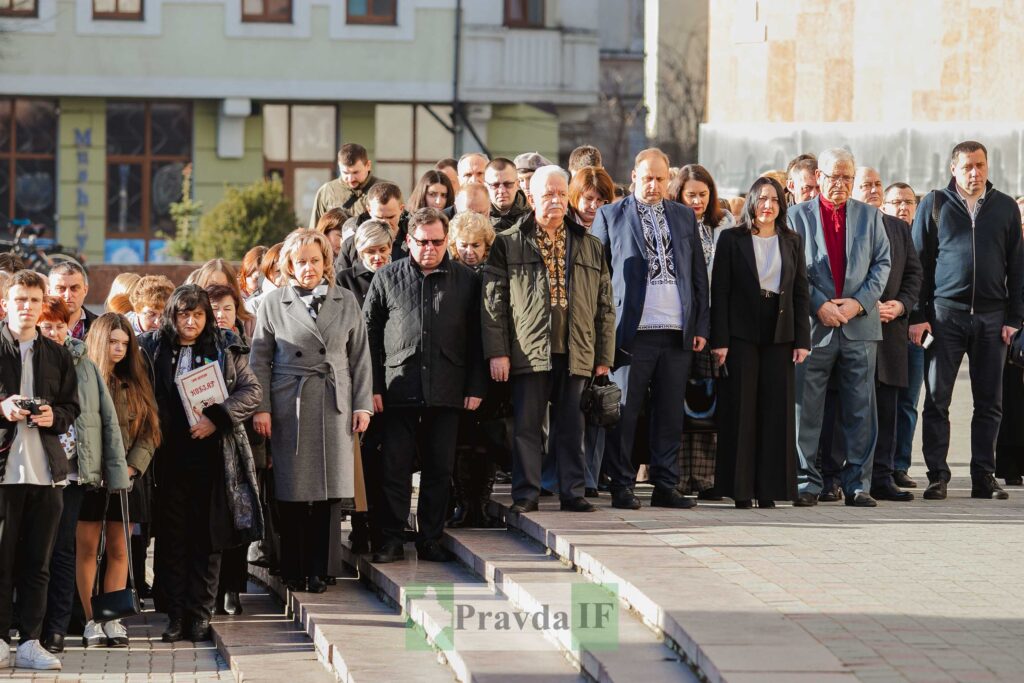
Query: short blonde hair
{"points": [[123, 285], [467, 227], [304, 237], [372, 233]]}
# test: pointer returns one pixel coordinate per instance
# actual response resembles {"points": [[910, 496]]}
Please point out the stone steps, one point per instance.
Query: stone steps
{"points": [[262, 645], [533, 578], [356, 636], [723, 631], [434, 595]]}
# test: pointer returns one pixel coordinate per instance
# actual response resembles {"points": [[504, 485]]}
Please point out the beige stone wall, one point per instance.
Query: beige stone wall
{"points": [[865, 61]]}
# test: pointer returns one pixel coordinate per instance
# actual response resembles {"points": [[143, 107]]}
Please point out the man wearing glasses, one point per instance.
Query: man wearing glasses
{"points": [[508, 202], [423, 325], [901, 202], [848, 262]]}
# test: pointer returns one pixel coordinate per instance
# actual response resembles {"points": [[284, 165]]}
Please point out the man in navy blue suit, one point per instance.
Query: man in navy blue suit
{"points": [[660, 284]]}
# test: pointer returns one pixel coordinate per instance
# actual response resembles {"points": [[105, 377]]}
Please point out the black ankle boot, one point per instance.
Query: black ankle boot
{"points": [[175, 630]]}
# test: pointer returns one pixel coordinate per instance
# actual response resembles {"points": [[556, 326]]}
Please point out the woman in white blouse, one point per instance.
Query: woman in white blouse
{"points": [[760, 327]]}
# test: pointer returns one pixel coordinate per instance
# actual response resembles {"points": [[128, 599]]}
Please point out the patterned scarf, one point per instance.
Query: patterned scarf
{"points": [[553, 253], [707, 243], [661, 267], [313, 298]]}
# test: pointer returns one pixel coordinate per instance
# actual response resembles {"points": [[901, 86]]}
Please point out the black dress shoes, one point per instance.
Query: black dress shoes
{"points": [[314, 584], [591, 493], [200, 630], [861, 500], [765, 504], [988, 487], [521, 506], [834, 494], [175, 630], [577, 505], [389, 552], [54, 643], [805, 500], [625, 499], [1014, 481], [232, 605], [670, 498], [295, 585], [935, 491], [431, 551], [709, 494], [903, 480], [891, 493], [744, 504]]}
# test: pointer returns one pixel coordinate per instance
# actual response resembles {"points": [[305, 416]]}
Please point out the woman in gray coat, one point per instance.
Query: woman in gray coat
{"points": [[310, 354]]}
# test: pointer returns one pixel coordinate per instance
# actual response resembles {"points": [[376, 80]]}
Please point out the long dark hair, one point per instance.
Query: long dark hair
{"points": [[418, 198], [713, 213], [748, 222], [189, 298], [128, 378]]}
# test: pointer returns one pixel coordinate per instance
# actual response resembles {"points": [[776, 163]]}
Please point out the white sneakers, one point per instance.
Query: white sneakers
{"points": [[93, 635], [32, 655], [117, 634]]}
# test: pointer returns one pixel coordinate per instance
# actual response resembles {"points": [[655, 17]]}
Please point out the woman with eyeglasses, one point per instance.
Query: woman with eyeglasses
{"points": [[759, 330]]}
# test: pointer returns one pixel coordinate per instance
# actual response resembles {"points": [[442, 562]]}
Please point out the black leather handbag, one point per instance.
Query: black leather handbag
{"points": [[1015, 354], [601, 401], [125, 602]]}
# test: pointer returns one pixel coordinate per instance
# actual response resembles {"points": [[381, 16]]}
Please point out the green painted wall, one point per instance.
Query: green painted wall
{"points": [[81, 174], [211, 174], [358, 124], [517, 128]]}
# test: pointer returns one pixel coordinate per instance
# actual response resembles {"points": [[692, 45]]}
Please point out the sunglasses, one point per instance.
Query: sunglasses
{"points": [[433, 243]]}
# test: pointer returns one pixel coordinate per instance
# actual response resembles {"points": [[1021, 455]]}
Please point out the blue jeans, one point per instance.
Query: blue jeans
{"points": [[853, 363], [906, 408]]}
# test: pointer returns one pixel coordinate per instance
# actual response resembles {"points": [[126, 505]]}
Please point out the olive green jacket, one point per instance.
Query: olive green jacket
{"points": [[516, 313], [336, 194]]}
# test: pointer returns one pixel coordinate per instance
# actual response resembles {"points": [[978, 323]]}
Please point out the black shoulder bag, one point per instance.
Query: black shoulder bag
{"points": [[121, 603]]}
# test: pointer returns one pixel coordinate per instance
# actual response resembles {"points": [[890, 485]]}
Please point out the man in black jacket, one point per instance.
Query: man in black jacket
{"points": [[508, 202], [384, 201], [894, 306], [423, 323], [33, 464], [968, 237]]}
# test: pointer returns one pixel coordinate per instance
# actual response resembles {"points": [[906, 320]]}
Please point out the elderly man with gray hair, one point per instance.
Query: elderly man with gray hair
{"points": [[548, 326], [848, 263]]}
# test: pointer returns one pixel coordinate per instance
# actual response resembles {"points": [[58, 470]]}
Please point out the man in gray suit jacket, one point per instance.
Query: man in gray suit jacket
{"points": [[848, 263]]}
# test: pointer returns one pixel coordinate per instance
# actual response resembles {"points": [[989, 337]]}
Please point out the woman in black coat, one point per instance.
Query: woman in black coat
{"points": [[760, 327], [199, 464]]}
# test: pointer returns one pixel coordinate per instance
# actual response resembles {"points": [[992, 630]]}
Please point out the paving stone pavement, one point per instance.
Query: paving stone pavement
{"points": [[920, 591], [147, 658]]}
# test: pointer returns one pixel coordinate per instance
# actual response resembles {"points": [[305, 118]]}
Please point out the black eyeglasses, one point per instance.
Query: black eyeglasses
{"points": [[433, 243]]}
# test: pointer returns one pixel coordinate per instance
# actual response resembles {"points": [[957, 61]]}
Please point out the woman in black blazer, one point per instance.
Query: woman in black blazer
{"points": [[760, 327]]}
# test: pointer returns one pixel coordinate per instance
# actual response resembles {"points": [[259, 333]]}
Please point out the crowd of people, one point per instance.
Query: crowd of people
{"points": [[455, 335]]}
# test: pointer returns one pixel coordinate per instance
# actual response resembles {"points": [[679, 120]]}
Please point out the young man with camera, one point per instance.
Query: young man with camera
{"points": [[38, 402]]}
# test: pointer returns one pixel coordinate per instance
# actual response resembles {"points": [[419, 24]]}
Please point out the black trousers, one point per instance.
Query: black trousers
{"points": [[189, 566], [661, 365], [60, 595], [887, 399], [234, 571], [435, 430], [531, 394], [757, 437], [30, 520], [305, 540]]}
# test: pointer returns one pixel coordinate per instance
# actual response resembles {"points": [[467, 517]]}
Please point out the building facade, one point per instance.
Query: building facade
{"points": [[104, 103], [898, 83]]}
